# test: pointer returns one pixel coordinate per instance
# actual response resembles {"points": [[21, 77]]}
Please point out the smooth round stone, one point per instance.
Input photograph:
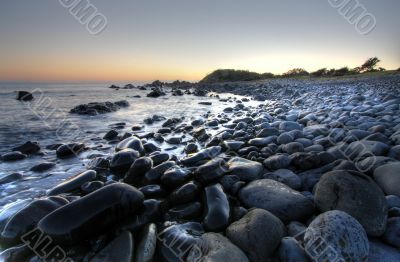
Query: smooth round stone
{"points": [[137, 170], [214, 247], [153, 191], [277, 162], [262, 141], [42, 167], [191, 148], [153, 176], [359, 149], [175, 241], [150, 212], [286, 177], [159, 158], [99, 164], [339, 232], [132, 143], [369, 164], [305, 161], [28, 148], [216, 210], [174, 140], [291, 251], [267, 132], [122, 161], [73, 183], [112, 134], [184, 194], [246, 170], [16, 254], [258, 234], [10, 178], [289, 126], [120, 249], [207, 153], [388, 178], [147, 245], [13, 156], [392, 233], [355, 194], [284, 138], [90, 187], [394, 152], [293, 147], [211, 171], [9, 210], [277, 198], [175, 176], [393, 201], [314, 148], [295, 228], [27, 218], [150, 147], [232, 145], [68, 150], [187, 211], [92, 215], [379, 252]]}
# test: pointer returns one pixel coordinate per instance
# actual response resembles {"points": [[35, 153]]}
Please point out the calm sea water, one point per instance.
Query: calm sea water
{"points": [[47, 120]]}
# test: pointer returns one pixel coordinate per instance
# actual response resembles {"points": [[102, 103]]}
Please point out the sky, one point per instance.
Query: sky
{"points": [[41, 41]]}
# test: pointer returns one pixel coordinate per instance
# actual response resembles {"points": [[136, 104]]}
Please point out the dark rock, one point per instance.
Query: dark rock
{"points": [[150, 212], [120, 249], [184, 194], [10, 178], [90, 187], [246, 170], [191, 148], [28, 148], [175, 176], [187, 211], [68, 150], [277, 162], [355, 194], [217, 210], [132, 143], [258, 234], [153, 176], [211, 171], [286, 177], [122, 161], [92, 215], [24, 96], [291, 251], [388, 178], [207, 153], [42, 167], [153, 191], [73, 184], [99, 164], [147, 244], [110, 135], [344, 236], [391, 235], [13, 156], [277, 198], [137, 171], [98, 107]]}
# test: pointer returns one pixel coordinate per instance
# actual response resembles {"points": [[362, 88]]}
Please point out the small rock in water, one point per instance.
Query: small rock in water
{"points": [[68, 150], [10, 178], [28, 148], [13, 156], [24, 96], [42, 167]]}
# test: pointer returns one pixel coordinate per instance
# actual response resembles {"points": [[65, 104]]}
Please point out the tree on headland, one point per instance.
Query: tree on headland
{"points": [[231, 75], [296, 72], [369, 65]]}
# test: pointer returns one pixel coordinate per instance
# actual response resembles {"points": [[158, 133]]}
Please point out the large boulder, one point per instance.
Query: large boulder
{"points": [[214, 247], [246, 170], [388, 178], [258, 234], [355, 194], [339, 235], [277, 198]]}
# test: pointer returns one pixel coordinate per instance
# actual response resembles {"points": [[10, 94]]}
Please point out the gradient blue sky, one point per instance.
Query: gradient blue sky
{"points": [[186, 39]]}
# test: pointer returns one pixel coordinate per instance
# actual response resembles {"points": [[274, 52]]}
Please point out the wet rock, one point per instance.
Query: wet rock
{"points": [[95, 108], [159, 158], [261, 142], [153, 191], [293, 147], [379, 252], [73, 184], [154, 175], [286, 177], [277, 162], [208, 153], [69, 150], [92, 215], [258, 234], [18, 253], [90, 187], [120, 249], [305, 161], [13, 156], [267, 132], [392, 233], [191, 148], [122, 161], [174, 140], [27, 218], [175, 176], [9, 210], [175, 241], [24, 96], [28, 148], [214, 247], [110, 135], [137, 171], [341, 233], [388, 178], [131, 143], [291, 251], [289, 126], [156, 92], [393, 201], [217, 209], [360, 149], [149, 212], [277, 198], [42, 167], [184, 194], [10, 178], [355, 194], [211, 171], [99, 164], [147, 244], [246, 170], [187, 211]]}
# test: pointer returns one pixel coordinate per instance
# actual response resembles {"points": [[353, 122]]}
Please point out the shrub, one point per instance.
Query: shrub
{"points": [[231, 75], [296, 72], [369, 65], [321, 72]]}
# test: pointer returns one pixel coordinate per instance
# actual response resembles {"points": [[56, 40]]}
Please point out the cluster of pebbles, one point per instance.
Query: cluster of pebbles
{"points": [[307, 177]]}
